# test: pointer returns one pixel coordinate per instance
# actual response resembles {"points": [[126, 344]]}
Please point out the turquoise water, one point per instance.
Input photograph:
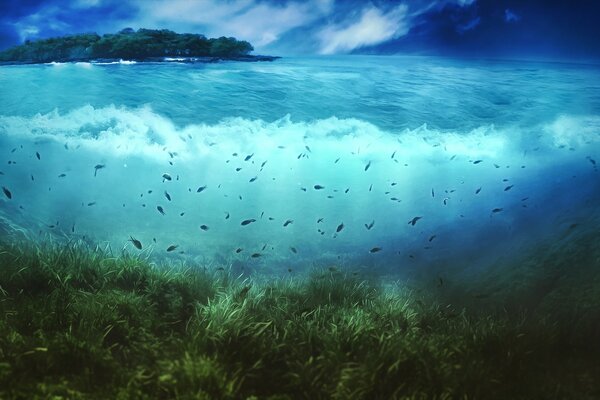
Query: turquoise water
{"points": [[494, 157]]}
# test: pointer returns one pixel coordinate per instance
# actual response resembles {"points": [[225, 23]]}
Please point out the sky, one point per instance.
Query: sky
{"points": [[531, 29]]}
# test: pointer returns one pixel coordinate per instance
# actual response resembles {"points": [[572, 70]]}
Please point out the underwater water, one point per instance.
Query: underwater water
{"points": [[392, 165]]}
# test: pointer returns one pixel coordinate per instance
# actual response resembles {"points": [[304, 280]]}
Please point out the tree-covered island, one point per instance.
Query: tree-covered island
{"points": [[128, 44]]}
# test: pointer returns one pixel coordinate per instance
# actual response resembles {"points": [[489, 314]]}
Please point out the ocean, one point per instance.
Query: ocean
{"points": [[395, 166]]}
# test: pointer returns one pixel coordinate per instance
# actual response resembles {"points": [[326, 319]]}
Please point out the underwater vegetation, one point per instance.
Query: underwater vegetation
{"points": [[79, 322]]}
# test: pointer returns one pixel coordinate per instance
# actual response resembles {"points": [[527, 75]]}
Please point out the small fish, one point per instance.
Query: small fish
{"points": [[248, 157], [172, 247], [97, 167], [226, 215], [264, 247], [432, 237], [303, 189], [136, 243], [347, 190], [453, 157], [253, 179], [477, 161], [368, 166], [286, 223], [293, 250], [375, 250], [166, 177], [478, 190], [393, 154], [319, 220], [432, 193], [336, 160], [525, 199], [93, 203], [496, 165], [181, 214], [255, 255], [7, 192], [204, 227], [167, 195], [38, 155], [369, 226], [506, 189], [247, 221], [308, 148], [239, 250], [238, 169], [263, 164], [497, 210], [339, 228], [62, 175], [414, 221], [160, 210], [370, 187], [201, 189], [319, 187]]}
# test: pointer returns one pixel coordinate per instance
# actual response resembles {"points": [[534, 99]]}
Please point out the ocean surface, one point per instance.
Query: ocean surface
{"points": [[382, 164]]}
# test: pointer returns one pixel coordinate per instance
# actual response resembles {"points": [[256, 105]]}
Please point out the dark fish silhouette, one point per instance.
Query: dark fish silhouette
{"points": [[204, 227], [248, 157], [38, 155], [506, 189], [226, 215], [369, 226], [172, 247], [303, 189], [93, 203], [263, 164], [477, 161], [62, 175], [347, 190], [414, 221], [253, 179], [370, 187], [319, 220], [238, 169], [336, 160], [432, 237], [97, 167], [7, 192], [308, 148], [319, 187], [182, 214], [497, 210], [293, 250], [477, 191], [239, 250], [167, 195], [248, 221], [255, 255], [166, 177], [136, 243], [368, 166], [393, 154], [160, 210], [201, 189], [286, 223], [432, 193], [375, 250], [339, 228]]}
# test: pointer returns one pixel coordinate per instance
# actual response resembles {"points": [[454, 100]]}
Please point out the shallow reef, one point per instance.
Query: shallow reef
{"points": [[79, 322]]}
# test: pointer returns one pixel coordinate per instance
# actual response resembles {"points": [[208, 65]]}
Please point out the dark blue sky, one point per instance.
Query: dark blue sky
{"points": [[534, 29]]}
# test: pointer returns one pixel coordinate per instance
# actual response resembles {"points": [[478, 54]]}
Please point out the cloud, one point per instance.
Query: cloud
{"points": [[373, 27]]}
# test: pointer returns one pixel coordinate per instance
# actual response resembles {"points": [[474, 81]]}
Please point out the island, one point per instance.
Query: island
{"points": [[146, 45]]}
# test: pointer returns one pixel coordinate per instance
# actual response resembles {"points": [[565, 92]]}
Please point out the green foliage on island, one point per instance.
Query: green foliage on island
{"points": [[126, 44], [81, 323]]}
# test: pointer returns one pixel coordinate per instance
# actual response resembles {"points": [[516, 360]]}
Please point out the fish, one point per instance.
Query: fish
{"points": [[253, 179], [308, 148], [93, 203], [136, 243], [38, 155], [62, 175], [264, 247], [160, 210], [446, 200], [477, 161], [432, 237], [497, 210], [375, 250], [204, 227], [432, 193], [368, 166], [370, 187], [247, 221], [172, 247], [369, 226], [525, 199], [286, 223], [303, 189], [201, 189], [293, 250], [248, 157], [339, 228], [347, 190], [506, 189], [238, 169], [591, 160], [263, 164], [478, 190], [453, 157], [167, 195], [336, 160], [319, 220], [255, 255], [414, 221], [7, 192], [182, 214], [496, 165], [239, 250], [226, 215], [393, 154], [97, 167], [319, 187], [166, 177]]}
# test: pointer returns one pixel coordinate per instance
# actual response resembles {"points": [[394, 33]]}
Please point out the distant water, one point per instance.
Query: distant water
{"points": [[494, 157]]}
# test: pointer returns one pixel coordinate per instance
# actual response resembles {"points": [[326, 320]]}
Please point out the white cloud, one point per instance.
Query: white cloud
{"points": [[373, 27]]}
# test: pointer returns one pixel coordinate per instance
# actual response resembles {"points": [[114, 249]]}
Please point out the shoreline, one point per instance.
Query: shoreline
{"points": [[153, 60]]}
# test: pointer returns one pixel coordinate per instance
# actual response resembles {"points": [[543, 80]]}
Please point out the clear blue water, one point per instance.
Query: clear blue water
{"points": [[445, 140]]}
